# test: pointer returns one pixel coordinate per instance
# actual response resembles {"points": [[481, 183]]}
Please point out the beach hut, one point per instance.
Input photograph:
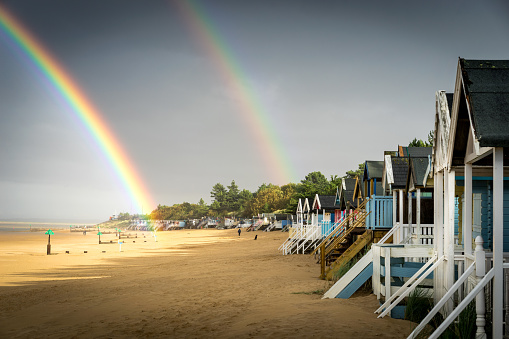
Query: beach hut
{"points": [[338, 213], [470, 145], [420, 189], [471, 153], [324, 208], [358, 191], [347, 201], [372, 177]]}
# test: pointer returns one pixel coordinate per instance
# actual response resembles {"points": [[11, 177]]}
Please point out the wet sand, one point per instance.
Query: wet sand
{"points": [[188, 284]]}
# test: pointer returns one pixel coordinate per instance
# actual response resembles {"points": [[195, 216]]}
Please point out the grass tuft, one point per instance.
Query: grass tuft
{"points": [[319, 292]]}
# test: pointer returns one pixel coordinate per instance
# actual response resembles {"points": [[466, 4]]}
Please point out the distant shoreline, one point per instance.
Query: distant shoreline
{"points": [[44, 223]]}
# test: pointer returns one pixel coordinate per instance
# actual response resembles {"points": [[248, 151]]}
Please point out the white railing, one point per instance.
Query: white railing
{"points": [[388, 251], [313, 234], [393, 231], [482, 279], [308, 236], [419, 236], [408, 287], [422, 235], [297, 235], [293, 234], [300, 238]]}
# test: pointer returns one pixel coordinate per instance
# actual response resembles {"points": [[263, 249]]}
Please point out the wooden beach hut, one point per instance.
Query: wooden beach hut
{"points": [[324, 208], [372, 177], [472, 151], [470, 147]]}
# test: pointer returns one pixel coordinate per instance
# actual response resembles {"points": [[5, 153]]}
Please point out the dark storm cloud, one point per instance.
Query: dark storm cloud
{"points": [[342, 82]]}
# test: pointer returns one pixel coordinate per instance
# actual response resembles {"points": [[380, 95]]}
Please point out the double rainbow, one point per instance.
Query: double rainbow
{"points": [[256, 117], [80, 105]]}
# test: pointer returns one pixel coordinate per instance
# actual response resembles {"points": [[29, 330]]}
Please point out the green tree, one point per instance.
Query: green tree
{"points": [[290, 198], [219, 194], [232, 197], [313, 183], [269, 198], [419, 143], [201, 209], [244, 198], [431, 136], [356, 173], [215, 209], [334, 183]]}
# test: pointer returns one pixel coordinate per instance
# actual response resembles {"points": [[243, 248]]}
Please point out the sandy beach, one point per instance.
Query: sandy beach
{"points": [[187, 284]]}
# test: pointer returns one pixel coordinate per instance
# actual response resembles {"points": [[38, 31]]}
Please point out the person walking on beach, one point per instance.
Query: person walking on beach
{"points": [[239, 232]]}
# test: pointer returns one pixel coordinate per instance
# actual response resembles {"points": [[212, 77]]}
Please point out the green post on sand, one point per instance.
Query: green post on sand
{"points": [[99, 234], [48, 247]]}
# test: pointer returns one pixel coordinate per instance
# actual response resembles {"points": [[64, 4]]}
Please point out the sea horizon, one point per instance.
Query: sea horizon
{"points": [[27, 226]]}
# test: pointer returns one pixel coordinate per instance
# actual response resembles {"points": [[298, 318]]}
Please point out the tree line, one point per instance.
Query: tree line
{"points": [[231, 201]]}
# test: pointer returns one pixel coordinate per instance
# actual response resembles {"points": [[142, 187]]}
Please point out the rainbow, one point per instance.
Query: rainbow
{"points": [[255, 115], [80, 105]]}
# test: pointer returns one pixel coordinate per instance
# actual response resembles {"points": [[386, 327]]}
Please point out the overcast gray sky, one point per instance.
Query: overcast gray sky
{"points": [[340, 82]]}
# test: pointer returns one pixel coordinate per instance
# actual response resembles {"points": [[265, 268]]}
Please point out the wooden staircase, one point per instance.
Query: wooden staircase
{"points": [[366, 239], [342, 238], [342, 227]]}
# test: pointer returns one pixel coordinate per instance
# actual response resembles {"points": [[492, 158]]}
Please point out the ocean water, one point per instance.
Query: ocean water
{"points": [[13, 226]]}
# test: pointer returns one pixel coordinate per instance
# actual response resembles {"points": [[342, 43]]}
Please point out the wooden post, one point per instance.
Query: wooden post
{"points": [[498, 241], [480, 306], [322, 260], [387, 273], [410, 217], [401, 221], [418, 215], [48, 247], [368, 209], [438, 234], [394, 206], [449, 230], [467, 211], [376, 270]]}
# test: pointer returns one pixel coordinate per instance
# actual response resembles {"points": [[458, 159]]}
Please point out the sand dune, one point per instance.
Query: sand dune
{"points": [[188, 284]]}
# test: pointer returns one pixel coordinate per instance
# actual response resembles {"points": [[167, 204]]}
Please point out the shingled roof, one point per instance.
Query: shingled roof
{"points": [[373, 169], [327, 201], [416, 151], [399, 172], [347, 191], [417, 169], [487, 92]]}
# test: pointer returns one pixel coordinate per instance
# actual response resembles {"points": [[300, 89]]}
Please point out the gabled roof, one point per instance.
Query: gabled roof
{"points": [[416, 173], [412, 152], [348, 187], [358, 191], [327, 201], [373, 169], [443, 112], [480, 114], [399, 172], [323, 202], [337, 198], [487, 92], [299, 206], [349, 184], [305, 207]]}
